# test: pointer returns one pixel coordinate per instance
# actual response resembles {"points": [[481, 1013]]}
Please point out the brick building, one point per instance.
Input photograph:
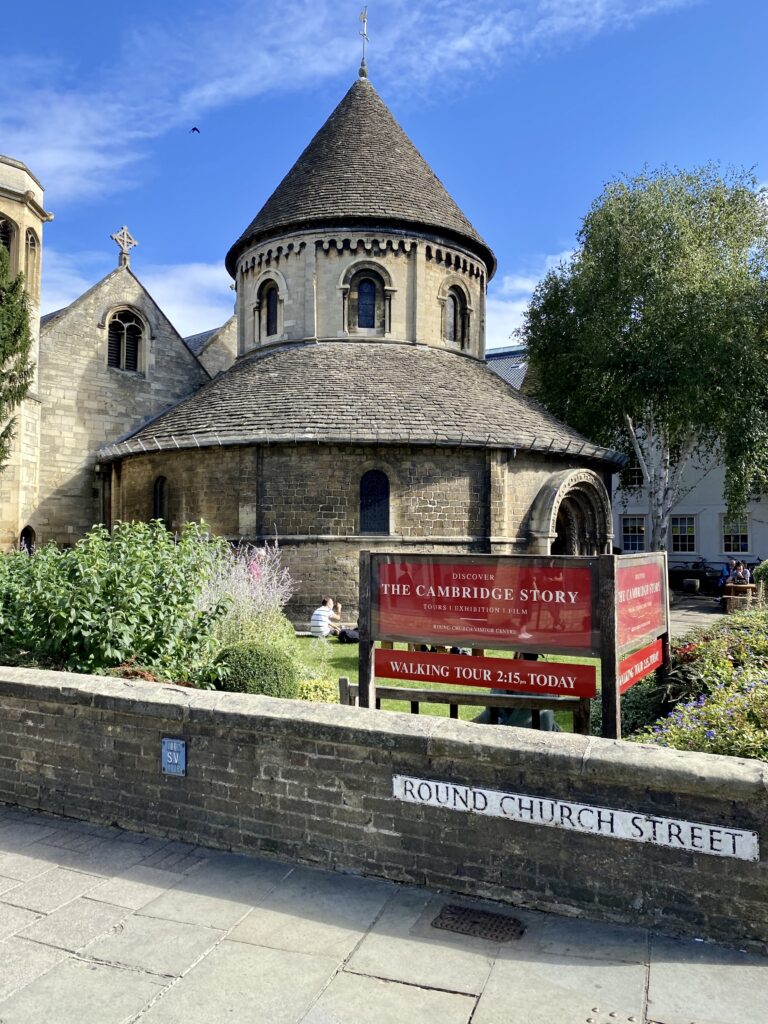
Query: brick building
{"points": [[359, 411]]}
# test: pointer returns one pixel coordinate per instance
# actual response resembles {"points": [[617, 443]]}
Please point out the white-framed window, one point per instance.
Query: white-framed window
{"points": [[632, 533], [683, 532], [631, 476], [735, 535]]}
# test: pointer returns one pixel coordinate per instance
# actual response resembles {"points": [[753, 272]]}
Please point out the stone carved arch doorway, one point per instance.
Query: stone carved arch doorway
{"points": [[571, 515]]}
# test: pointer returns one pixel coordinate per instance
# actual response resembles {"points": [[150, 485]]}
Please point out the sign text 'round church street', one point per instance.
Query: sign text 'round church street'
{"points": [[677, 834]]}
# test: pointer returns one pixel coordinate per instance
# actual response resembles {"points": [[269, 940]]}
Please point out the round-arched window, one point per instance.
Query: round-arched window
{"points": [[374, 502], [160, 499], [455, 318], [124, 337], [268, 306], [366, 303]]}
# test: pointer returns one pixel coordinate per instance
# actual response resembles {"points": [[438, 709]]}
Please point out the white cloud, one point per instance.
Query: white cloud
{"points": [[84, 137], [194, 296], [508, 299]]}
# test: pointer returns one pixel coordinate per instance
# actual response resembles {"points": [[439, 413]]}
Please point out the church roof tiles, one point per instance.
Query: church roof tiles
{"points": [[360, 392], [361, 168]]}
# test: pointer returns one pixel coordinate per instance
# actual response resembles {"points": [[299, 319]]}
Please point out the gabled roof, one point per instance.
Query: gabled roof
{"points": [[362, 169], [360, 393], [198, 343], [511, 364]]}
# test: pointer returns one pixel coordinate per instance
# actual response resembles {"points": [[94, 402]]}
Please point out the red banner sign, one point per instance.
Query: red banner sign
{"points": [[539, 677], [641, 601], [538, 605], [638, 665]]}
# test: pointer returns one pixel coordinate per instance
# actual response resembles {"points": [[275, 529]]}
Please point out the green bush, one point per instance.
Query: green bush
{"points": [[731, 719], [256, 667], [640, 706], [132, 594], [319, 691]]}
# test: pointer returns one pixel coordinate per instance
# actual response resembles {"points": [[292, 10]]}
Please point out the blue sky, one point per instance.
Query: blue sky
{"points": [[524, 108]]}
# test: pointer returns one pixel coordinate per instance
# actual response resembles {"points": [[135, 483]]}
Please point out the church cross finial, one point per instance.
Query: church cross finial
{"points": [[363, 72], [125, 242]]}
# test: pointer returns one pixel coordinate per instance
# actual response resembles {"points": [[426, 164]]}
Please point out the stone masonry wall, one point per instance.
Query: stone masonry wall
{"points": [[314, 784], [87, 403]]}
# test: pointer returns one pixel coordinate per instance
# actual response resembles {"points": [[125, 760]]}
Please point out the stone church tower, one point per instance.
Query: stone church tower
{"points": [[360, 412], [21, 233]]}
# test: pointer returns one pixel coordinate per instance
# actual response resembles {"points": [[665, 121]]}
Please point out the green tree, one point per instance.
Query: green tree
{"points": [[652, 337], [16, 370]]}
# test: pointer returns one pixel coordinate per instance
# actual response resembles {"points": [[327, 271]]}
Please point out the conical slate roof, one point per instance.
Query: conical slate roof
{"points": [[362, 168], [360, 393]]}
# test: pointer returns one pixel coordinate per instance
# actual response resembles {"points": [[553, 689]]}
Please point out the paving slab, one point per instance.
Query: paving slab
{"points": [[51, 890], [105, 859], [8, 883], [315, 912], [543, 989], [158, 947], [17, 833], [701, 983], [563, 936], [27, 865], [219, 893], [352, 999], [402, 946], [245, 983], [75, 925], [21, 962], [135, 887], [15, 919], [75, 992]]}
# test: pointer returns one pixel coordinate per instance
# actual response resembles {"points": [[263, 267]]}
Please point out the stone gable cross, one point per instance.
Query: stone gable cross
{"points": [[126, 242]]}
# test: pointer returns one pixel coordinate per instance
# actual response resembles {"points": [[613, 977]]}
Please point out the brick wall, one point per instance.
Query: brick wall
{"points": [[313, 783]]}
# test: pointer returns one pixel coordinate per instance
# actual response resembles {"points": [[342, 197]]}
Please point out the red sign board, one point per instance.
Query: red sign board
{"points": [[539, 677], [641, 601], [638, 665], [533, 604]]}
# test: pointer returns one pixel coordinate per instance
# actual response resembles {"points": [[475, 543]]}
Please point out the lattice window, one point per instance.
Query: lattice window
{"points": [[735, 535], [633, 533], [683, 530]]}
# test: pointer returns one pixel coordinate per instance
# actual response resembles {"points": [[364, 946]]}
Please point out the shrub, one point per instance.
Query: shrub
{"points": [[731, 719], [129, 595], [640, 706], [254, 586], [319, 691], [255, 667]]}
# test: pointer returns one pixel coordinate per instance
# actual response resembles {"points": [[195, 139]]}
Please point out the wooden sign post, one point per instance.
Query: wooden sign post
{"points": [[608, 607]]}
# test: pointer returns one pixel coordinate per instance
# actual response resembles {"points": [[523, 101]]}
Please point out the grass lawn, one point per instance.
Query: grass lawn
{"points": [[329, 659]]}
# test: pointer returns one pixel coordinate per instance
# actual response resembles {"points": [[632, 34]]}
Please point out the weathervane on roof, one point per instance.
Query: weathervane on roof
{"points": [[363, 72], [125, 242]]}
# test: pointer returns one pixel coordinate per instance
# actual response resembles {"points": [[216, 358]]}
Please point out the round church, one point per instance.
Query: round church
{"points": [[360, 412]]}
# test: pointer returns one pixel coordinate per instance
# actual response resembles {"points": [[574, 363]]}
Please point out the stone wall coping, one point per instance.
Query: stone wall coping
{"points": [[591, 757]]}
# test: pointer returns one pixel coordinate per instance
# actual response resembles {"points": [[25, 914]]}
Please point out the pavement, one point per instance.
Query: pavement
{"points": [[692, 611], [103, 926]]}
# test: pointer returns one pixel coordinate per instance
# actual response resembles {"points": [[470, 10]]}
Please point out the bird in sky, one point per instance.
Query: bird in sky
{"points": [[194, 130]]}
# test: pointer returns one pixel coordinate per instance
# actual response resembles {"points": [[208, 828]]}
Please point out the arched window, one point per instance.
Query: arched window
{"points": [[374, 502], [160, 499], [455, 318], [267, 311], [366, 303], [271, 297], [27, 540], [5, 234], [124, 337], [31, 259]]}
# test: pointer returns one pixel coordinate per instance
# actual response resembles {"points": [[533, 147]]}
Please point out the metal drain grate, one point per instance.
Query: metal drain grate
{"points": [[480, 923]]}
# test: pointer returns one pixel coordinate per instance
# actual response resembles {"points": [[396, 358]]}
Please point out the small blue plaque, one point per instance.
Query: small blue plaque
{"points": [[173, 758]]}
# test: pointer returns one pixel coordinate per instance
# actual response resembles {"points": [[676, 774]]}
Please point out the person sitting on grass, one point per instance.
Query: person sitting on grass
{"points": [[324, 619]]}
